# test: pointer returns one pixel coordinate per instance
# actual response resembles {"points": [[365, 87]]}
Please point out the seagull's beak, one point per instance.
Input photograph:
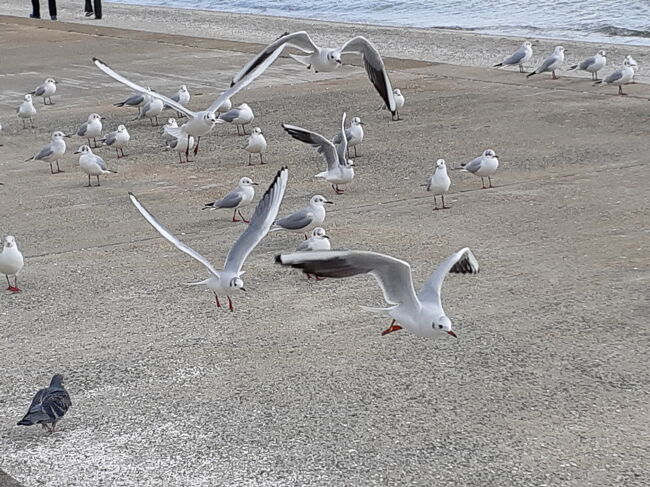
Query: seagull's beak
{"points": [[329, 202], [256, 184], [338, 61], [68, 135], [243, 289], [102, 118], [326, 236], [452, 334], [76, 152]]}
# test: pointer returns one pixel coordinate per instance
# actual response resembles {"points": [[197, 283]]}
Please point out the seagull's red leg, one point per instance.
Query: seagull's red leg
{"points": [[216, 298], [393, 327], [242, 217], [230, 306], [234, 214]]}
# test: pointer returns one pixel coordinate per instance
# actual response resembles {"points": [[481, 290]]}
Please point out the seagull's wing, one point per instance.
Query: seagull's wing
{"points": [[342, 148], [176, 97], [393, 275], [615, 76], [296, 221], [231, 200], [587, 62], [300, 40], [134, 86], [323, 146], [247, 78], [81, 131], [100, 162], [265, 213], [473, 165], [374, 67], [45, 152], [545, 65], [110, 138], [461, 262], [169, 236], [515, 57], [230, 115], [39, 91]]}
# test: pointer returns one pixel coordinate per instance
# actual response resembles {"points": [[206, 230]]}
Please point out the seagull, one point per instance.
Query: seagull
{"points": [[483, 166], [592, 64], [91, 129], [228, 280], [92, 164], [26, 110], [306, 219], [439, 183], [551, 63], [52, 152], [171, 124], [319, 241], [150, 110], [11, 262], [0, 131], [629, 61], [240, 115], [421, 314], [136, 101], [239, 197], [46, 90], [199, 123], [620, 77], [182, 145], [328, 59], [48, 406], [353, 134], [182, 97], [340, 169], [399, 102], [118, 140], [520, 57], [225, 106], [255, 144]]}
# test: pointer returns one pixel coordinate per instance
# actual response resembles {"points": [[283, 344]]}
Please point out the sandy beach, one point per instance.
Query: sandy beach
{"points": [[547, 383]]}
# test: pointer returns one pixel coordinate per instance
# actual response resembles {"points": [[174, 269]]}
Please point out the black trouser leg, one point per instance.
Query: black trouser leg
{"points": [[36, 9], [98, 9], [89, 6], [51, 4]]}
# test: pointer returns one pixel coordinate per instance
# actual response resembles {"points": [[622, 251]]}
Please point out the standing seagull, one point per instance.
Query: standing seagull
{"points": [[239, 197], [520, 57], [353, 134], [483, 166], [319, 241], [150, 110], [118, 140], [629, 61], [255, 144], [92, 164], [228, 280], [135, 101], [340, 169], [46, 90], [92, 128], [306, 219], [11, 262], [241, 115], [592, 64], [52, 152], [399, 102], [439, 183], [328, 59], [171, 124], [421, 314], [182, 145], [551, 63], [26, 110], [182, 97], [48, 406], [199, 123], [620, 77]]}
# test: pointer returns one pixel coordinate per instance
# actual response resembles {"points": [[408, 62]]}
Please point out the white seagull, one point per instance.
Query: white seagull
{"points": [[518, 58], [327, 59], [439, 183], [118, 140], [136, 101], [620, 77], [255, 144], [551, 63], [92, 128], [228, 280], [171, 124], [46, 90], [239, 197], [150, 110], [199, 123], [483, 166], [319, 241], [340, 169], [241, 115], [52, 152], [305, 219], [92, 164], [592, 64], [421, 314], [354, 135], [26, 110], [182, 145], [182, 96], [11, 262]]}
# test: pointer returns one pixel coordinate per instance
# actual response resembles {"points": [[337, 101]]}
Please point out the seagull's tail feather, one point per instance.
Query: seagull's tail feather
{"points": [[498, 65], [377, 310], [321, 175], [530, 74], [599, 83], [30, 159], [573, 67], [120, 104], [200, 283], [301, 59]]}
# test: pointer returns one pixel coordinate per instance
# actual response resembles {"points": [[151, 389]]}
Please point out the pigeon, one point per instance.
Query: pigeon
{"points": [[48, 406]]}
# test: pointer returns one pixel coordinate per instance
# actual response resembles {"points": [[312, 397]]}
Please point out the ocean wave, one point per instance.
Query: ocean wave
{"points": [[612, 30]]}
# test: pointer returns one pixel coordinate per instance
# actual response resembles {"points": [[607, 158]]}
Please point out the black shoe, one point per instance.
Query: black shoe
{"points": [[32, 16], [88, 14], [52, 17]]}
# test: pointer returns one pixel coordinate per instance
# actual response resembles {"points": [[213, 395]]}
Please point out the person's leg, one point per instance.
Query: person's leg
{"points": [[51, 4], [36, 9], [98, 9], [88, 8]]}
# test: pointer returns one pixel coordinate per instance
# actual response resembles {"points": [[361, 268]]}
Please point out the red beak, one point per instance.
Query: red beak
{"points": [[452, 334]]}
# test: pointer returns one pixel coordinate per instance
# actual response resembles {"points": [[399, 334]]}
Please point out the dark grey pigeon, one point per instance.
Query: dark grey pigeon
{"points": [[48, 406]]}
